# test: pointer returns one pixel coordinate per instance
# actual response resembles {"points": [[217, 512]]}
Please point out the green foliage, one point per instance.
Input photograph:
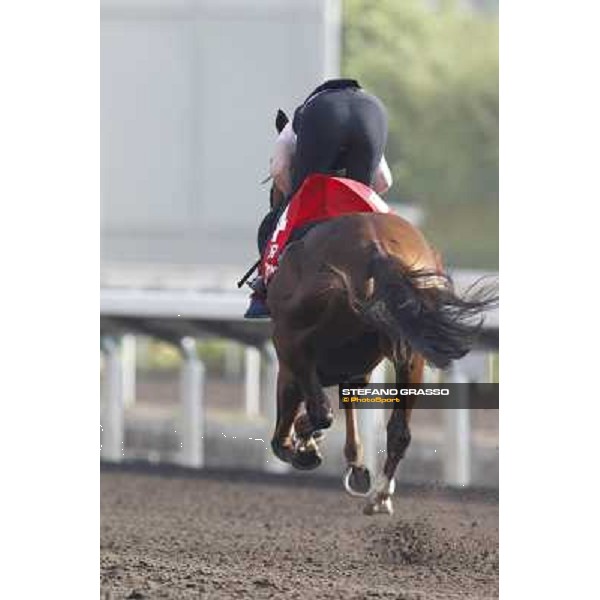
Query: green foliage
{"points": [[437, 73], [155, 355]]}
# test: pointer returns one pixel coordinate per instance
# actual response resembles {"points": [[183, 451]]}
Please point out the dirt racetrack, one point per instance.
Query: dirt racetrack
{"points": [[168, 533]]}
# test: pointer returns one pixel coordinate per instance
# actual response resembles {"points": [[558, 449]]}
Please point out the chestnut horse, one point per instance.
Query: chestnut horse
{"points": [[354, 290]]}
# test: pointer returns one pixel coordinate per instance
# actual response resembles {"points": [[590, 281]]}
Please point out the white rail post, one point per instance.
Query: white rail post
{"points": [[113, 420], [272, 463], [370, 423], [491, 360], [457, 455], [252, 381], [233, 361], [128, 361], [192, 397]]}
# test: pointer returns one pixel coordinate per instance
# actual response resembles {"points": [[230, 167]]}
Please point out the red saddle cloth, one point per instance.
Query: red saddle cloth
{"points": [[320, 197]]}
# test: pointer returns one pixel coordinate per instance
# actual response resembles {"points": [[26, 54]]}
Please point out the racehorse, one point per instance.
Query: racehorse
{"points": [[352, 291]]}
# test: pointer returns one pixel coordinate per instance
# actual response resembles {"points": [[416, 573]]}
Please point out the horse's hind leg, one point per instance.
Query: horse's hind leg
{"points": [[319, 414], [357, 479], [295, 352], [398, 440], [289, 397], [303, 454]]}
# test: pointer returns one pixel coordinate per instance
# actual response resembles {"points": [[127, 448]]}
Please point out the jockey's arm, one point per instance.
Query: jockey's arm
{"points": [[281, 162], [383, 177]]}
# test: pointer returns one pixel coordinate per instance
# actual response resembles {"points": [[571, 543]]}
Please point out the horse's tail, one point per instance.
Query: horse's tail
{"points": [[423, 310]]}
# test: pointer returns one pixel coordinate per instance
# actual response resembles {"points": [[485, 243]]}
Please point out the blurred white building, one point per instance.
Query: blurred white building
{"points": [[189, 93]]}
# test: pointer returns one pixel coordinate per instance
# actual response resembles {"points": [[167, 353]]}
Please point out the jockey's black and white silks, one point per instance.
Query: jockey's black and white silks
{"points": [[339, 126]]}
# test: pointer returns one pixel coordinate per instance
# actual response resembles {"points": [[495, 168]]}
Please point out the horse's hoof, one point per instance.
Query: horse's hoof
{"points": [[303, 426], [318, 436], [307, 458], [324, 420], [379, 507], [283, 453], [357, 481]]}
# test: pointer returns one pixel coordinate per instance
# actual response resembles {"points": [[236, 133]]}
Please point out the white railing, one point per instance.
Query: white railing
{"points": [[179, 317]]}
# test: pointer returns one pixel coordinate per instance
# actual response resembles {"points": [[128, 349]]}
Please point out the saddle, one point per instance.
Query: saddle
{"points": [[320, 198]]}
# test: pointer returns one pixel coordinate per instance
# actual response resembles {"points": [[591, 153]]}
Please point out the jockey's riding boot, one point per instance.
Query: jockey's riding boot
{"points": [[258, 308]]}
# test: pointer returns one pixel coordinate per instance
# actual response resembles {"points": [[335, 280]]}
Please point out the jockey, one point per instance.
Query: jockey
{"points": [[338, 127]]}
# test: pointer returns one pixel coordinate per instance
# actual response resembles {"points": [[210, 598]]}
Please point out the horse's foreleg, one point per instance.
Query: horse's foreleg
{"points": [[398, 440]]}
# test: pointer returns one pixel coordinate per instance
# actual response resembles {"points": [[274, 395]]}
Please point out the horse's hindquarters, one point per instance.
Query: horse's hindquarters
{"points": [[352, 359]]}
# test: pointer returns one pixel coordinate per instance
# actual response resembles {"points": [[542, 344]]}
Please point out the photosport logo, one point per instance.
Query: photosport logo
{"points": [[425, 395]]}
